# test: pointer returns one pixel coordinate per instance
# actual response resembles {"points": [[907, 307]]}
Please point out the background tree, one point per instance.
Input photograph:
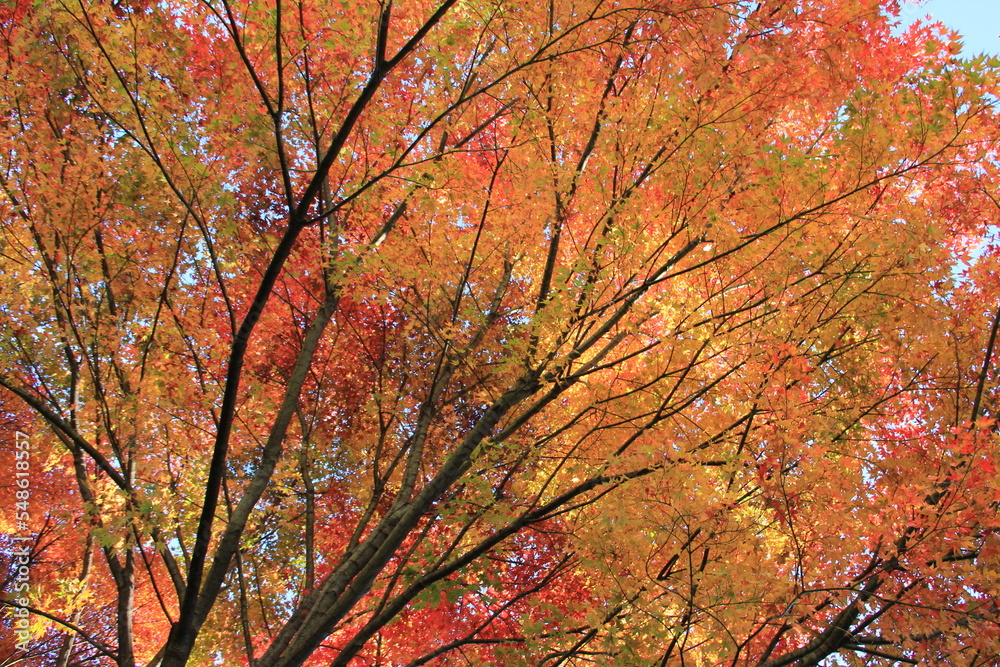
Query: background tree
{"points": [[501, 333]]}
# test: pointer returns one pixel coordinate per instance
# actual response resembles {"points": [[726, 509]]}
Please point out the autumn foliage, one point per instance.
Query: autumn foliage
{"points": [[497, 333]]}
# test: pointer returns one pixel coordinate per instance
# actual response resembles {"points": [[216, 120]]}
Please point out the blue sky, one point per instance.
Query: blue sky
{"points": [[977, 20]]}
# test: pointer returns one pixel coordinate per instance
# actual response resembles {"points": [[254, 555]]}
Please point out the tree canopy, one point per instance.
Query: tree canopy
{"points": [[578, 332]]}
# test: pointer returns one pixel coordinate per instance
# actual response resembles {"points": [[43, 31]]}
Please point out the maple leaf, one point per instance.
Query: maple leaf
{"points": [[530, 333]]}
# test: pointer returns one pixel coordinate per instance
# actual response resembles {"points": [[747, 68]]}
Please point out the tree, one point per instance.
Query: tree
{"points": [[499, 333]]}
